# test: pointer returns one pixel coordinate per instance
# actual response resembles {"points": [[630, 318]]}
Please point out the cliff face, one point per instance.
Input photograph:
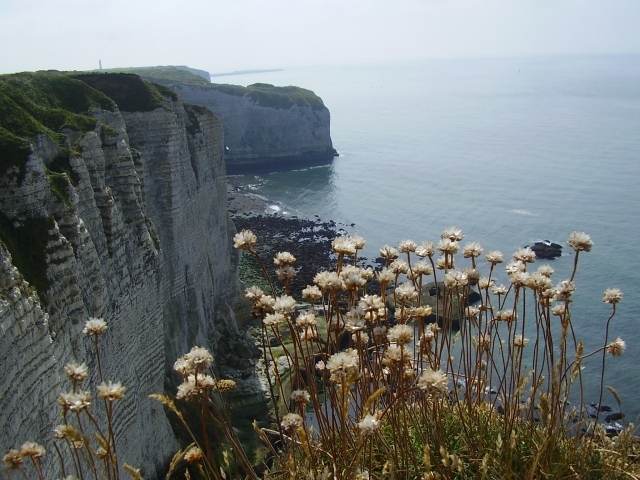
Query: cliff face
{"points": [[125, 221], [266, 127]]}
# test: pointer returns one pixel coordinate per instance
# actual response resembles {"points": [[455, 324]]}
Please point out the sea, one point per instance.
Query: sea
{"points": [[510, 150]]}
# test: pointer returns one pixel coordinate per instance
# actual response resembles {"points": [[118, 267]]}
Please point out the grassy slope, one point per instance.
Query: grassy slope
{"points": [[54, 103]]}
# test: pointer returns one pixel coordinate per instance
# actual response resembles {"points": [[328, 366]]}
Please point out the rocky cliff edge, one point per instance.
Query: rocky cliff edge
{"points": [[113, 205]]}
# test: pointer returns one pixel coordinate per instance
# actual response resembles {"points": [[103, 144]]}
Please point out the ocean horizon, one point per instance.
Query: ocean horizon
{"points": [[510, 150]]}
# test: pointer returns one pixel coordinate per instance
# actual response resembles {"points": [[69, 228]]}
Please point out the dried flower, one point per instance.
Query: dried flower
{"points": [[245, 240], [343, 365], [75, 372], [199, 357], [564, 290], [328, 280], [306, 319], [284, 304], [616, 348], [273, 319], [406, 292], [520, 341], [369, 424], [343, 245], [400, 334], [388, 253], [612, 295], [358, 242], [494, 257], [284, 259], [515, 266], [398, 267], [447, 245], [33, 450], [95, 326], [433, 382], [407, 246], [253, 293], [426, 249], [385, 276], [580, 241], [396, 356], [75, 401], [455, 279], [506, 315], [525, 255], [545, 270], [13, 459], [472, 250], [444, 263], [301, 397], [499, 290], [291, 421], [193, 455], [111, 391], [311, 293], [452, 233], [285, 273]]}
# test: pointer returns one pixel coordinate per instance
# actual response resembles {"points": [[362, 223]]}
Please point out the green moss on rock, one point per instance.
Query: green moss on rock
{"points": [[15, 153], [27, 241], [130, 92]]}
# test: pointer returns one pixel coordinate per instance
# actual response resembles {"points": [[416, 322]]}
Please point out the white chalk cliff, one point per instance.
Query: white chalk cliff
{"points": [[266, 127], [137, 232]]}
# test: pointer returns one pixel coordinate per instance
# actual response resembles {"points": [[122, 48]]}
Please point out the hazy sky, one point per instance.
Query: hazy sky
{"points": [[225, 35]]}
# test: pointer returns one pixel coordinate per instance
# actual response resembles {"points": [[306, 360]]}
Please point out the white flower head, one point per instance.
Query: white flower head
{"points": [[388, 252], [95, 326], [612, 295], [283, 259], [433, 382], [426, 249], [245, 240], [580, 241], [407, 246], [291, 421], [452, 233], [369, 423], [617, 348]]}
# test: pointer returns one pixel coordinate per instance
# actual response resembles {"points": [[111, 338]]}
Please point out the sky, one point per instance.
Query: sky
{"points": [[227, 35]]}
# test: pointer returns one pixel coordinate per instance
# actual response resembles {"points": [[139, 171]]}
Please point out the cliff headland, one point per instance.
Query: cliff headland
{"points": [[266, 128]]}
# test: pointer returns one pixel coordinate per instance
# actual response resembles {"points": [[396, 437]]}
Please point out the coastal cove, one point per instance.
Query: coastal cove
{"points": [[511, 151]]}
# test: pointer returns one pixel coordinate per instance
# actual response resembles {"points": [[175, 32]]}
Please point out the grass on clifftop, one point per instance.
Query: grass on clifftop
{"points": [[164, 75], [130, 92], [267, 95], [42, 103]]}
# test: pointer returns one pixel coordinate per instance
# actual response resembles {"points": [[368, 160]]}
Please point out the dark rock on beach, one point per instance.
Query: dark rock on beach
{"points": [[546, 249], [307, 240]]}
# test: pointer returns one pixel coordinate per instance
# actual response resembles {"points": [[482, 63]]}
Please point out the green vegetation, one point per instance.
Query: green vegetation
{"points": [[130, 92], [26, 241], [163, 75], [42, 103], [268, 95], [59, 184], [15, 152]]}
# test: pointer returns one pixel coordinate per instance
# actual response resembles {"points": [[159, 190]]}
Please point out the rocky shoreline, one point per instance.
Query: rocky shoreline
{"points": [[308, 240]]}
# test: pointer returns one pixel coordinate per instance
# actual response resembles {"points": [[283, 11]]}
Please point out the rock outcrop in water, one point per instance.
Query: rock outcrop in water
{"points": [[120, 213], [266, 127]]}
